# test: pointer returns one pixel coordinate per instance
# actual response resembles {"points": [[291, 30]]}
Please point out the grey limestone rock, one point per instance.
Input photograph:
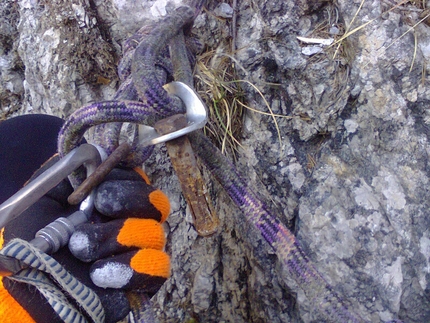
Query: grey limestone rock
{"points": [[347, 171]]}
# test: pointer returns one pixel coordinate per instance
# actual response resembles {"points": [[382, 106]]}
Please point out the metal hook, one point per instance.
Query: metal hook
{"points": [[196, 115]]}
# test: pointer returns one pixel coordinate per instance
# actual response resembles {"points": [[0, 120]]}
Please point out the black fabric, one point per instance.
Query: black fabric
{"points": [[121, 174], [104, 240], [59, 192], [25, 227], [133, 196], [25, 143]]}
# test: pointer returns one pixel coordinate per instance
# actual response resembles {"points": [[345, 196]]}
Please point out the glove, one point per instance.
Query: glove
{"points": [[129, 247], [114, 252]]}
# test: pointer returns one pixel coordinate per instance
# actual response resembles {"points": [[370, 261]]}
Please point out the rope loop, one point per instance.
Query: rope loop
{"points": [[42, 271], [140, 99]]}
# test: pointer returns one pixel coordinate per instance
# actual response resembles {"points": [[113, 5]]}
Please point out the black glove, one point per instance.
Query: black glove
{"points": [[119, 249]]}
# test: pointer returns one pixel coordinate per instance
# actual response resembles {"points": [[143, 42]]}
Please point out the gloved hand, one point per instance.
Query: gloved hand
{"points": [[128, 250], [119, 249]]}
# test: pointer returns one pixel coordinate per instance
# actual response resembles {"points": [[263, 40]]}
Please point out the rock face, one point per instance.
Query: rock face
{"points": [[347, 169]]}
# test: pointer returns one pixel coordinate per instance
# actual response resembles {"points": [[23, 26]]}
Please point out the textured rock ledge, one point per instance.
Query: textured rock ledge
{"points": [[350, 175]]}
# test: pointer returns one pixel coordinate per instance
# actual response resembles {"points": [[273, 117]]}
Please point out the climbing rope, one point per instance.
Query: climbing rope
{"points": [[142, 100], [42, 271], [155, 104]]}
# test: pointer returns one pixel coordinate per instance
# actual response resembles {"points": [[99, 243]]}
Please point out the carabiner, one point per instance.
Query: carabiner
{"points": [[56, 234], [88, 155]]}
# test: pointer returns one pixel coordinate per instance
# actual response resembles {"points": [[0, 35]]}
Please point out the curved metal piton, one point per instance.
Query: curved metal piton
{"points": [[195, 112]]}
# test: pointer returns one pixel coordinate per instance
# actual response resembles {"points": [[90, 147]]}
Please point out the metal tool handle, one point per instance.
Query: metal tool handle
{"points": [[86, 154], [57, 233]]}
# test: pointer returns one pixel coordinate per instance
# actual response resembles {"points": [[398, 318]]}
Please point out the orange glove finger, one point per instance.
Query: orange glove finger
{"points": [[95, 241], [145, 270]]}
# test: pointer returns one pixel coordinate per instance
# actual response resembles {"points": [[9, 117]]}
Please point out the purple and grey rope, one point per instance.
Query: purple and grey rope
{"points": [[282, 240], [155, 103]]}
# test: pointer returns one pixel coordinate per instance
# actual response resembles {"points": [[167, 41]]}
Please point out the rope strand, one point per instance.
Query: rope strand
{"points": [[140, 66]]}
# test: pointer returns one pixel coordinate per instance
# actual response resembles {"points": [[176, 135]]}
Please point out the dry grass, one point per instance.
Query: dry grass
{"points": [[219, 85], [215, 77], [221, 88]]}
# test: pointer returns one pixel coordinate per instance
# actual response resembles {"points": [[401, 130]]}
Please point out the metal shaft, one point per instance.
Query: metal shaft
{"points": [[87, 155]]}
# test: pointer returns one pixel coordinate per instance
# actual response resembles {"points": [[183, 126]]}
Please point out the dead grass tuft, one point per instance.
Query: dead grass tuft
{"points": [[220, 87]]}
